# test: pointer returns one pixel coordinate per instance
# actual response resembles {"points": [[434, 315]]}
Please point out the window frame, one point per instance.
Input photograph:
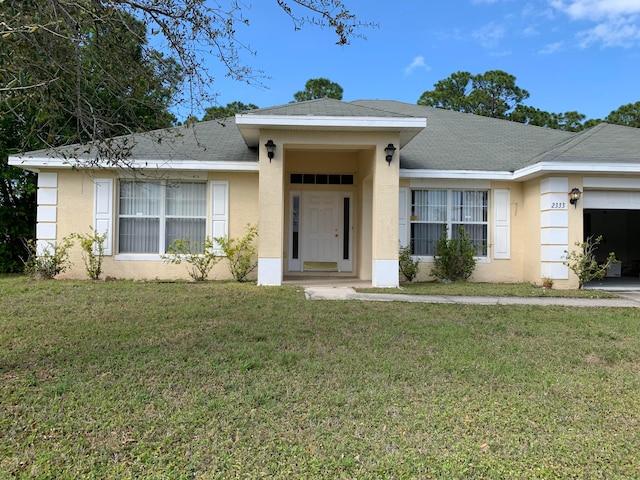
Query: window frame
{"points": [[162, 216], [450, 222]]}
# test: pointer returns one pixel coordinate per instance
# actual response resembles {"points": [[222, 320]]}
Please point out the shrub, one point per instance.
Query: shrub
{"points": [[47, 262], [583, 261], [201, 261], [408, 266], [455, 257], [240, 253], [92, 251]]}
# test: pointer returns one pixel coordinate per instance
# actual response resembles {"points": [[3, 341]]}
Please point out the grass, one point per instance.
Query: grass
{"points": [[489, 290], [222, 380]]}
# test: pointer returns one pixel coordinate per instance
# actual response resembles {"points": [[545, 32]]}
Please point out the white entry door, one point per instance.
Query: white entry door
{"points": [[325, 232], [320, 231]]}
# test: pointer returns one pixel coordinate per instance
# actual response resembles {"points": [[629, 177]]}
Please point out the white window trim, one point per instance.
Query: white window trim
{"points": [[150, 257], [429, 258], [138, 257]]}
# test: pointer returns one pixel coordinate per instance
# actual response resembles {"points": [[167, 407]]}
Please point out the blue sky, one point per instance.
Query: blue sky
{"points": [[579, 55]]}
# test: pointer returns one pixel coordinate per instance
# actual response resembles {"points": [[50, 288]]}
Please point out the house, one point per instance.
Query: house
{"points": [[343, 184]]}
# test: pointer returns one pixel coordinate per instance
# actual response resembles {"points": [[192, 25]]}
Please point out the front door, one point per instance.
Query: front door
{"points": [[321, 231]]}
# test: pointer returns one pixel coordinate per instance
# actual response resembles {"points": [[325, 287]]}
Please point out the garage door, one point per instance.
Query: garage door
{"points": [[611, 199]]}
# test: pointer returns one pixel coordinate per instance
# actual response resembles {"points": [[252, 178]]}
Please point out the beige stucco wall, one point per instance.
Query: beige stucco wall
{"points": [[365, 215], [75, 215], [524, 212], [374, 210], [332, 152]]}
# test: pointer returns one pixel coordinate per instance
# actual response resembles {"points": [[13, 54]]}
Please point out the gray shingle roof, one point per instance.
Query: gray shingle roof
{"points": [[204, 141], [451, 140], [463, 141], [604, 143], [327, 107]]}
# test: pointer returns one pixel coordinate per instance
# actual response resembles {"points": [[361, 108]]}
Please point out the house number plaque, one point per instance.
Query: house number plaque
{"points": [[555, 201]]}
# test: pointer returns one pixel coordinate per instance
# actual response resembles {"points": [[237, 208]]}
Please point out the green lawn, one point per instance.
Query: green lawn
{"points": [[489, 290], [220, 380]]}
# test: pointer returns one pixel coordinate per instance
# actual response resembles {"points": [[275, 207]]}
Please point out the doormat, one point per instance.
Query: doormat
{"points": [[320, 266]]}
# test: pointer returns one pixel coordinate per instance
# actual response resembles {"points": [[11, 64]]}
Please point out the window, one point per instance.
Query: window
{"points": [[320, 179], [152, 215], [434, 210]]}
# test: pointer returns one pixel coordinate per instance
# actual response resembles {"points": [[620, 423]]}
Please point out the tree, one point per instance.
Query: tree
{"points": [[569, 121], [217, 113], [44, 55], [43, 118], [97, 81], [495, 94], [491, 94], [533, 116], [319, 88], [17, 214], [450, 93], [627, 115]]}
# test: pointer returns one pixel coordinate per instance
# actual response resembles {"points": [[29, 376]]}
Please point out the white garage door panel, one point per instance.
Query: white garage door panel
{"points": [[614, 200]]}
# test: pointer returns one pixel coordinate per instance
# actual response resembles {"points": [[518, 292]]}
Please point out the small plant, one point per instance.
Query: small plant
{"points": [[240, 253], [455, 257], [44, 263], [547, 282], [201, 261], [583, 261], [408, 266], [92, 251]]}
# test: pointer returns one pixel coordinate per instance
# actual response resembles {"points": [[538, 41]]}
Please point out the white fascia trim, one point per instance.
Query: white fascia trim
{"points": [[456, 174], [266, 121], [143, 164], [537, 169], [566, 167]]}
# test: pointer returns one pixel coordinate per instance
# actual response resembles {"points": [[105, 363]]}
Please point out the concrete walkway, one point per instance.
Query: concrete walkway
{"points": [[323, 292]]}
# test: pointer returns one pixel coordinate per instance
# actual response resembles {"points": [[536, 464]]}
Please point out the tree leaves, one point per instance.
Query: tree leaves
{"points": [[628, 115], [75, 57], [491, 94], [319, 88]]}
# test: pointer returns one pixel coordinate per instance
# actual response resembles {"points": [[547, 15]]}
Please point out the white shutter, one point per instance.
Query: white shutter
{"points": [[402, 218], [219, 209], [103, 211], [502, 224]]}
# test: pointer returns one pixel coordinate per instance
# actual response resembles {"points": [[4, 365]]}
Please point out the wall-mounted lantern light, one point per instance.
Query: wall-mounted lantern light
{"points": [[574, 196], [389, 153], [271, 148]]}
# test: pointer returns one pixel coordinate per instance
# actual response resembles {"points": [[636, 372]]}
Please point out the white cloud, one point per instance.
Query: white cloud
{"points": [[617, 21], [597, 10], [611, 34], [551, 48], [418, 62], [530, 32], [489, 35], [537, 11]]}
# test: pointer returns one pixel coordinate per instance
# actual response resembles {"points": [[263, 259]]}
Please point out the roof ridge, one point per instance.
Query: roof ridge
{"points": [[571, 143], [354, 102], [456, 112], [293, 102]]}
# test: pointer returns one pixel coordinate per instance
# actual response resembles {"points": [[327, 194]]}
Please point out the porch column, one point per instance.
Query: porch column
{"points": [[386, 184], [271, 213]]}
